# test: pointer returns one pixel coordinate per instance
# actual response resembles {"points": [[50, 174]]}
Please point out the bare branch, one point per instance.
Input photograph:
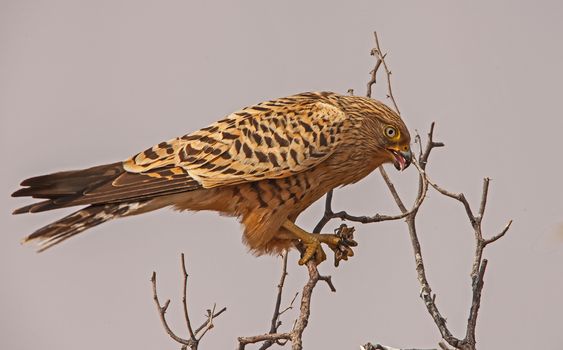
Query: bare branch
{"points": [[215, 315], [207, 325], [305, 309], [479, 265], [373, 73], [443, 346], [381, 57], [475, 304], [370, 346], [276, 323], [296, 334], [243, 341], [328, 214], [162, 312], [459, 197], [484, 198], [343, 215], [275, 317], [328, 280], [185, 298], [393, 190], [430, 145], [195, 337], [500, 235]]}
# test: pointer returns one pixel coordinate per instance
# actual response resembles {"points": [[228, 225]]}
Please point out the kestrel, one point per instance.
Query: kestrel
{"points": [[264, 164]]}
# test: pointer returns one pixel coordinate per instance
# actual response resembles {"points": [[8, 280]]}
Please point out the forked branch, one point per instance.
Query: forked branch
{"points": [[194, 336], [295, 336], [273, 337]]}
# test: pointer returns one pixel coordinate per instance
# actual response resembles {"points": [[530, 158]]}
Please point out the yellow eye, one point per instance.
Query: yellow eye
{"points": [[391, 132]]}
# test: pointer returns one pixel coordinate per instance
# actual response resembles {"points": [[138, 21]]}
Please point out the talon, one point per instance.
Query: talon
{"points": [[340, 243], [341, 246], [313, 249], [352, 243], [347, 251]]}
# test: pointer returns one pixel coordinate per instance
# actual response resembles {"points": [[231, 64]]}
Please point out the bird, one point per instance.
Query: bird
{"points": [[264, 164]]}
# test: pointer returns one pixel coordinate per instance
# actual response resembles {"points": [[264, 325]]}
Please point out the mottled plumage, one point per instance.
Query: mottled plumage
{"points": [[265, 164]]}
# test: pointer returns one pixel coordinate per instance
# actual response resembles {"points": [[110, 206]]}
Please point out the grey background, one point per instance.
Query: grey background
{"points": [[89, 82]]}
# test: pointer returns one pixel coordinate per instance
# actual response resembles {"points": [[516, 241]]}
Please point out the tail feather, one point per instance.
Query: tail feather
{"points": [[79, 221], [102, 185], [66, 177], [108, 191], [31, 208], [64, 186]]}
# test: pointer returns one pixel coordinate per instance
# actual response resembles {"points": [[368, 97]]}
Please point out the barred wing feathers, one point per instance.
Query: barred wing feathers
{"points": [[265, 141]]}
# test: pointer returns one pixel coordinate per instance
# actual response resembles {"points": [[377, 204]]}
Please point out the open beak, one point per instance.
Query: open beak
{"points": [[402, 159]]}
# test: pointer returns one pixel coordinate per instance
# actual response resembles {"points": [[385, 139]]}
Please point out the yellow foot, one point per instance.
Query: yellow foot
{"points": [[312, 250], [340, 242]]}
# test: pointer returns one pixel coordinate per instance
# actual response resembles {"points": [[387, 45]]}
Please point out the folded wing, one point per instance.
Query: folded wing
{"points": [[273, 139]]}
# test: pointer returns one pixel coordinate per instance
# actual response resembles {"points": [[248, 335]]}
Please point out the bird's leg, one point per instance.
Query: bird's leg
{"points": [[339, 243]]}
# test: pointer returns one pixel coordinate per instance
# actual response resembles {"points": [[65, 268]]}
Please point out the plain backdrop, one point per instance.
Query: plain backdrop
{"points": [[84, 83]]}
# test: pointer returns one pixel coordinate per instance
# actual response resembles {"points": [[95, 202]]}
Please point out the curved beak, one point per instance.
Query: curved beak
{"points": [[402, 159]]}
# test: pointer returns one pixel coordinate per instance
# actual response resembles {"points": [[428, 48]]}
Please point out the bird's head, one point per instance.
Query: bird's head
{"points": [[395, 139], [388, 133], [385, 135]]}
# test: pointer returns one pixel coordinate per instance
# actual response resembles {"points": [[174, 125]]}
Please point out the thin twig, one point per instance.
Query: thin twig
{"points": [[290, 306], [207, 325], [500, 235], [381, 57], [459, 197], [393, 190], [430, 145], [215, 315], [185, 298], [373, 73], [276, 323]]}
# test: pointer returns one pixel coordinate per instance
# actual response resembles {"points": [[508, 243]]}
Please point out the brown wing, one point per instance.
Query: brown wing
{"points": [[270, 140], [273, 139]]}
